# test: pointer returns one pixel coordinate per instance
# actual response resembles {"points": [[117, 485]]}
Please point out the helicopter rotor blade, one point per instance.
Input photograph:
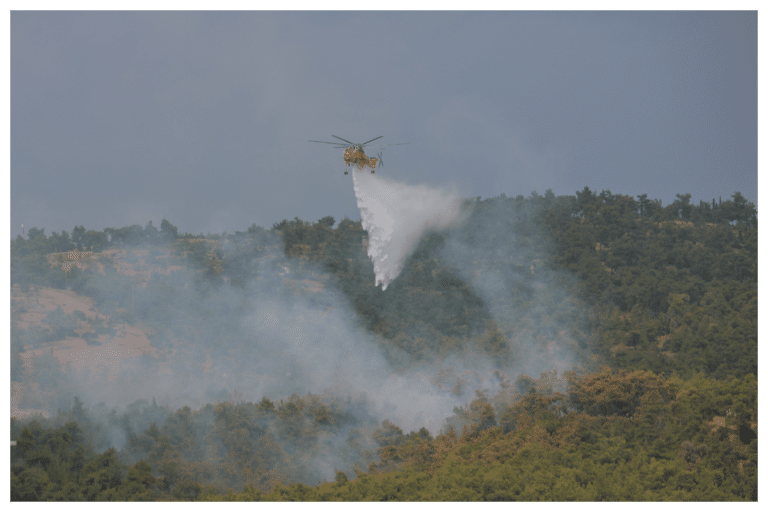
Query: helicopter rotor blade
{"points": [[323, 142], [364, 143], [345, 140], [386, 145]]}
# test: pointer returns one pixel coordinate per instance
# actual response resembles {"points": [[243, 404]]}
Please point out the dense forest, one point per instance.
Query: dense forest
{"points": [[617, 341]]}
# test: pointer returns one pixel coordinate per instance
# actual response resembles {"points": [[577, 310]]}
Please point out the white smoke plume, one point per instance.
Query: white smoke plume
{"points": [[396, 215], [288, 331]]}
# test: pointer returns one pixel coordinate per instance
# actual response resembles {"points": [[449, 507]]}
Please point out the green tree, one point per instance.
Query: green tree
{"points": [[29, 485], [327, 221], [168, 232], [102, 476]]}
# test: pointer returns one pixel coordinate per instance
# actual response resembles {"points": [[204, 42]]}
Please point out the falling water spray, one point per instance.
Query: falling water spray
{"points": [[396, 216]]}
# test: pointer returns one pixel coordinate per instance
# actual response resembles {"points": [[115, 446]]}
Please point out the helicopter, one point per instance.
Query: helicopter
{"points": [[354, 154]]}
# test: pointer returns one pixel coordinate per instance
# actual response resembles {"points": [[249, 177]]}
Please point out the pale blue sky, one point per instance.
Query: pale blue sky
{"points": [[118, 118]]}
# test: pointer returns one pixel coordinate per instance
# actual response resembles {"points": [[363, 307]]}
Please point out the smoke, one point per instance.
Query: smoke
{"points": [[396, 215], [289, 331], [501, 254]]}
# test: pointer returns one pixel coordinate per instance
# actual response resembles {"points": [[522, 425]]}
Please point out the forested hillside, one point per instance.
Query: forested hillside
{"points": [[601, 347]]}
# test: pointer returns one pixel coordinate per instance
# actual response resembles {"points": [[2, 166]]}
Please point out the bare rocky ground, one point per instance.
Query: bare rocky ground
{"points": [[101, 354], [104, 355], [106, 352]]}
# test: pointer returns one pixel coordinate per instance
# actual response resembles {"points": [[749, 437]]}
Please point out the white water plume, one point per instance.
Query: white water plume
{"points": [[396, 215]]}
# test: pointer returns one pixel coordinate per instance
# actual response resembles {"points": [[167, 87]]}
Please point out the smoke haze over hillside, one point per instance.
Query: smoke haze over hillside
{"points": [[290, 331]]}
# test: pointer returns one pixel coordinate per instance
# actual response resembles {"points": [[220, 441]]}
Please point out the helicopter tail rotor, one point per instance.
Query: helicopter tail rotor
{"points": [[381, 159]]}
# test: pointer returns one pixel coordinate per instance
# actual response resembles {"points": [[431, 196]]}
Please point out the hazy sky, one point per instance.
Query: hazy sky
{"points": [[118, 118]]}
